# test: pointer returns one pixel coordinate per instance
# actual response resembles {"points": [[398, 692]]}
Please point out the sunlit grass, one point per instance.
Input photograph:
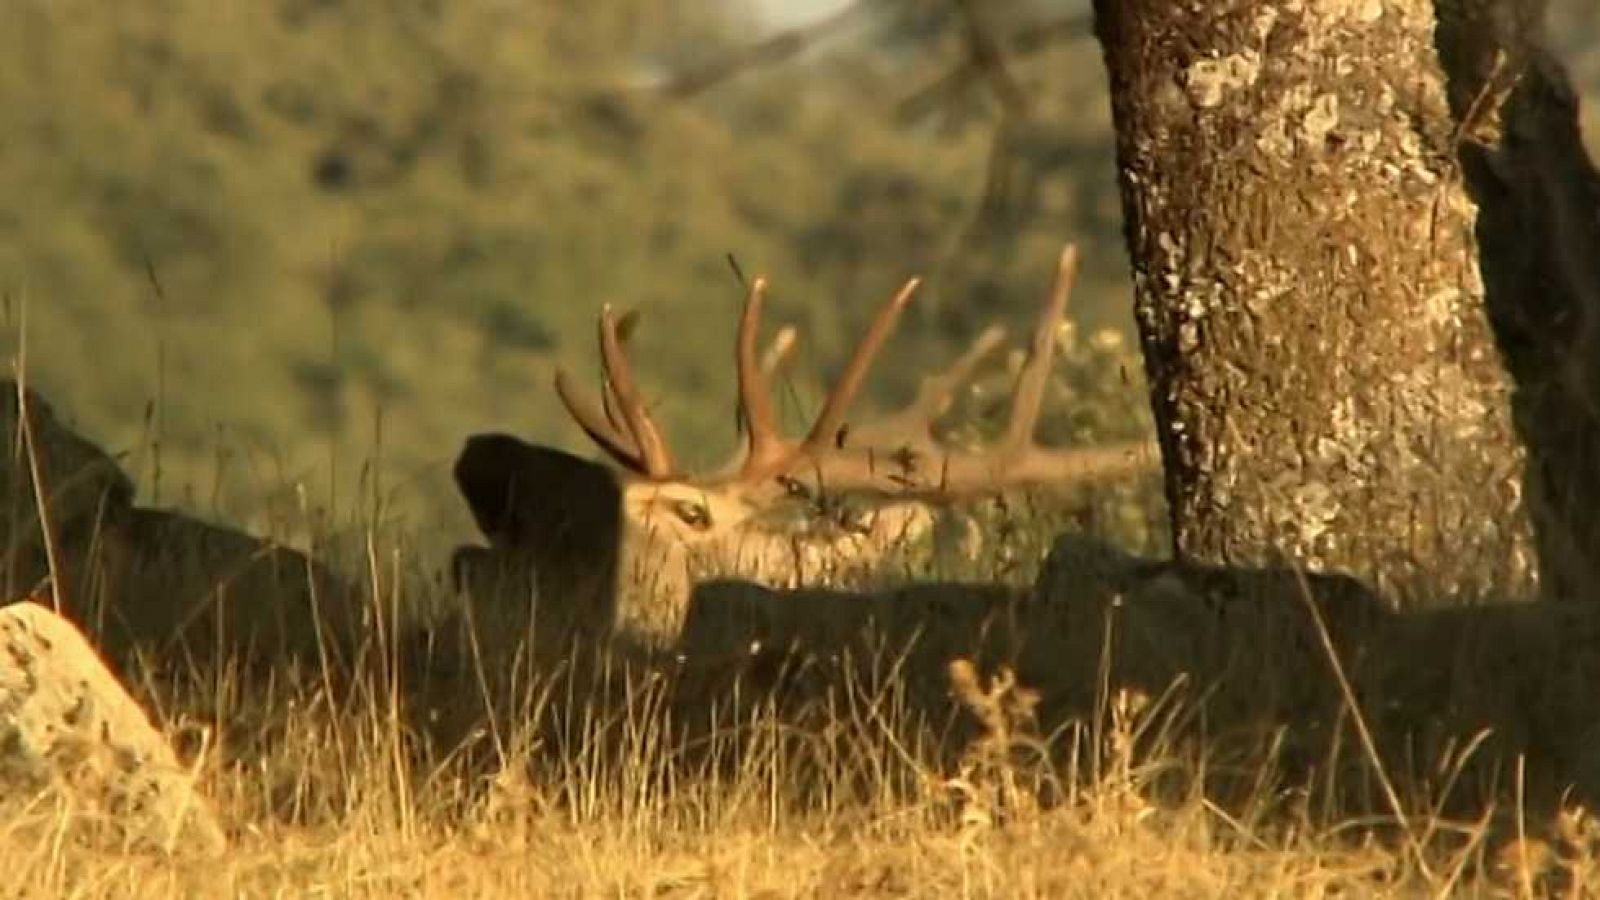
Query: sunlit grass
{"points": [[589, 784], [622, 775]]}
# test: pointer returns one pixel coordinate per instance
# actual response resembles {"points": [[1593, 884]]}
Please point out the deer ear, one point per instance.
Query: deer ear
{"points": [[521, 493]]}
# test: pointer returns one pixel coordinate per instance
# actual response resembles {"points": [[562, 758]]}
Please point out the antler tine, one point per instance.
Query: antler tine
{"points": [[833, 409], [626, 323], [915, 420], [608, 405], [595, 424], [899, 456], [763, 443], [773, 358], [1029, 396], [656, 460], [933, 396], [779, 351]]}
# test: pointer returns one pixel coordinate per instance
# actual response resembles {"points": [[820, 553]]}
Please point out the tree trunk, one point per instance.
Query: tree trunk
{"points": [[1324, 377], [1539, 229]]}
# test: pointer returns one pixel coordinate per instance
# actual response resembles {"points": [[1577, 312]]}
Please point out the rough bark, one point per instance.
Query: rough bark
{"points": [[1324, 377]]}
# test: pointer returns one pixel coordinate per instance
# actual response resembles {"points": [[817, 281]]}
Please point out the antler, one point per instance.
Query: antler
{"points": [[896, 455], [899, 454], [764, 447], [636, 442], [767, 452], [912, 426]]}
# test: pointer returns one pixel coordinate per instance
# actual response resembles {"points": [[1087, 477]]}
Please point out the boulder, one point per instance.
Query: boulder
{"points": [[68, 727]]}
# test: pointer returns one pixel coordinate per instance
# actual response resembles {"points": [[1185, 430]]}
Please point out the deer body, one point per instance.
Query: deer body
{"points": [[621, 548]]}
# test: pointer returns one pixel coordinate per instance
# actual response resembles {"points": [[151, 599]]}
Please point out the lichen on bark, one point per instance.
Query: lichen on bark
{"points": [[1324, 377]]}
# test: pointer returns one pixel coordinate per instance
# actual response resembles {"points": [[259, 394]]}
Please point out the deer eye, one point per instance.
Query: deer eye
{"points": [[794, 488], [695, 515]]}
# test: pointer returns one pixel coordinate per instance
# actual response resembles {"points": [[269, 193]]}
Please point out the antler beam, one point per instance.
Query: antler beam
{"points": [[897, 455]]}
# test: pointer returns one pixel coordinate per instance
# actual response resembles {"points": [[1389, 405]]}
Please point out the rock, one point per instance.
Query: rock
{"points": [[68, 726], [150, 582], [82, 486]]}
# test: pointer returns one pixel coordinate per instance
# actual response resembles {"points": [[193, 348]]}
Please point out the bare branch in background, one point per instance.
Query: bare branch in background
{"points": [[781, 46], [987, 58], [1026, 42]]}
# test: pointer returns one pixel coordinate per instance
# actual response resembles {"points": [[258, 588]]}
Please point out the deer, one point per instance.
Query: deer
{"points": [[616, 549]]}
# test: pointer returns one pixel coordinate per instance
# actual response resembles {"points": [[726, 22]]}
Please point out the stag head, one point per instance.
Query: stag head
{"points": [[772, 513]]}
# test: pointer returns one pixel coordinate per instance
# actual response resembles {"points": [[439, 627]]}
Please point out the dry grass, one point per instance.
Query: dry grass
{"points": [[622, 827], [326, 793], [848, 787], [842, 784]]}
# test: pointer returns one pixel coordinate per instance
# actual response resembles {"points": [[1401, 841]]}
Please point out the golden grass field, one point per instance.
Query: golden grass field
{"points": [[852, 785], [326, 814], [326, 791], [329, 810]]}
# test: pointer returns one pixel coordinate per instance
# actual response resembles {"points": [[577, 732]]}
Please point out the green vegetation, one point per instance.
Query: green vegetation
{"points": [[261, 245]]}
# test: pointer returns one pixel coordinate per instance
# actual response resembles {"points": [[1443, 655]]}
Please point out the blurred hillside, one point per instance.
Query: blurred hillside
{"points": [[259, 246], [1574, 30]]}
